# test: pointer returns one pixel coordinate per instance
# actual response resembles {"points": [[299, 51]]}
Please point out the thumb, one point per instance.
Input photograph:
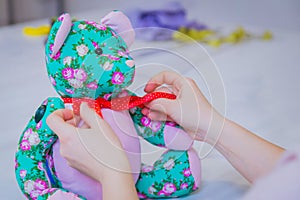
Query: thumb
{"points": [[57, 123], [89, 116]]}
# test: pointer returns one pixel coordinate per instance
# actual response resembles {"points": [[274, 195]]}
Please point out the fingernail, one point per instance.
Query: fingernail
{"points": [[150, 115], [145, 89], [145, 111], [84, 105]]}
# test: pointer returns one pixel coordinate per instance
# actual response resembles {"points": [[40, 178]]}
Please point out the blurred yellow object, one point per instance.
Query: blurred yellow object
{"points": [[211, 38], [267, 35], [214, 42], [181, 37], [37, 31], [236, 36], [199, 35]]}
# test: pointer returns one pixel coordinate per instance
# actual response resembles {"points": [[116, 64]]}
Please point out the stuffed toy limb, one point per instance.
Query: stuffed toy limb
{"points": [[35, 170], [177, 172], [90, 62]]}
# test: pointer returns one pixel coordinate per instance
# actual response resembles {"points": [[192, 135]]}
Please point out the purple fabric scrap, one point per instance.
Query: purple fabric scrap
{"points": [[160, 24]]}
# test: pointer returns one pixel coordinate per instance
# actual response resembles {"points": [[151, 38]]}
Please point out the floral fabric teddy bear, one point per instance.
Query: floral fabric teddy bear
{"points": [[89, 61]]}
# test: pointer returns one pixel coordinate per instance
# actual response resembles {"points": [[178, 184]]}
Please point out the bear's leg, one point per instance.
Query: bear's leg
{"points": [[175, 174]]}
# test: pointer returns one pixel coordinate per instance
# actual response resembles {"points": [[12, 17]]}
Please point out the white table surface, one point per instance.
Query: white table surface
{"points": [[261, 81]]}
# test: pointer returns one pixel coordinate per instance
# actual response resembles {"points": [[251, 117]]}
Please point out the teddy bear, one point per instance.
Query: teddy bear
{"points": [[90, 62]]}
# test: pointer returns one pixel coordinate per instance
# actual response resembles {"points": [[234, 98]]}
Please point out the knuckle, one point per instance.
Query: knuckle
{"points": [[63, 139], [165, 72], [70, 164], [192, 81], [62, 153]]}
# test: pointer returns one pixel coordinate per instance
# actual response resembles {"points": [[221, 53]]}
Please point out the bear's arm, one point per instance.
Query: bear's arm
{"points": [[34, 167], [160, 133]]}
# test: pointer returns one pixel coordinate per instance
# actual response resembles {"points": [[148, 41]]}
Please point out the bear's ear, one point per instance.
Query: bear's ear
{"points": [[62, 33], [121, 24]]}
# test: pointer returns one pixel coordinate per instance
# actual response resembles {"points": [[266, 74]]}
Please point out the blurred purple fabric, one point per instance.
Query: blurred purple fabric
{"points": [[281, 183], [160, 24]]}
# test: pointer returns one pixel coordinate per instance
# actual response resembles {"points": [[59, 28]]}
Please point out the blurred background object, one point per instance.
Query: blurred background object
{"points": [[15, 11], [264, 13], [3, 12]]}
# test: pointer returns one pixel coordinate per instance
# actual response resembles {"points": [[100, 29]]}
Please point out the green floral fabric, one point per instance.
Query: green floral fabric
{"points": [[94, 62], [34, 151], [152, 131], [73, 72], [170, 176]]}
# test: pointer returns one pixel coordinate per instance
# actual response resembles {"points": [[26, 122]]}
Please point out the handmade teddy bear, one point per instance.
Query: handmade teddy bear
{"points": [[90, 62]]}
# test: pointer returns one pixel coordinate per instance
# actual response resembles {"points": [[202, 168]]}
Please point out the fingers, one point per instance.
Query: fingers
{"points": [[155, 115], [89, 116], [100, 130], [92, 119], [165, 77], [165, 89], [74, 121], [57, 122], [160, 108]]}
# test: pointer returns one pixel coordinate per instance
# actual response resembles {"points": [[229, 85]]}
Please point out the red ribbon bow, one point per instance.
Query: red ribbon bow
{"points": [[118, 104]]}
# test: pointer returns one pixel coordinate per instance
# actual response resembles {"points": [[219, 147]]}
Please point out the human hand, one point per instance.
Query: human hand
{"points": [[191, 109], [93, 149], [197, 116]]}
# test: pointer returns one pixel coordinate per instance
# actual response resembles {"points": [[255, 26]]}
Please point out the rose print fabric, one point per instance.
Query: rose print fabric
{"points": [[34, 167], [93, 62], [152, 131], [72, 70], [170, 176]]}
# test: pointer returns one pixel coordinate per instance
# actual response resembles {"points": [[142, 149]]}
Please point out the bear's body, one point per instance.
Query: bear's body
{"points": [[90, 61]]}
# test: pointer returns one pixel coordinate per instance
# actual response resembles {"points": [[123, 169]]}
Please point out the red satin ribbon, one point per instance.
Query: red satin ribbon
{"points": [[118, 104]]}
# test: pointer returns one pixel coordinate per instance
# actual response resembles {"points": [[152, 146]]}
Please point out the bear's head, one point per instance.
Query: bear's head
{"points": [[90, 59]]}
